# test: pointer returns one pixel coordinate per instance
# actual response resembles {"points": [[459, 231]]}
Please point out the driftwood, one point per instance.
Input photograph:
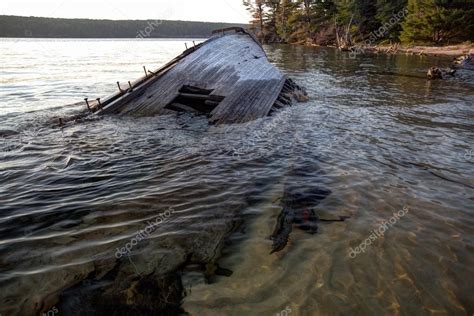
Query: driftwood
{"points": [[228, 78], [344, 43]]}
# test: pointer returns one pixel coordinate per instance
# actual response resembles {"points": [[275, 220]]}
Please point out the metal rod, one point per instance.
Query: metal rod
{"points": [[118, 85], [194, 45], [100, 104], [87, 103], [146, 74], [186, 45]]}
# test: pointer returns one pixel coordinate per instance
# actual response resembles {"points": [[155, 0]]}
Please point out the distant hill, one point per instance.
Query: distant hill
{"points": [[17, 26]]}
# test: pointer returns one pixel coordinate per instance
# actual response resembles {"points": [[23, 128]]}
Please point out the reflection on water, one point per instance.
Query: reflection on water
{"points": [[375, 138]]}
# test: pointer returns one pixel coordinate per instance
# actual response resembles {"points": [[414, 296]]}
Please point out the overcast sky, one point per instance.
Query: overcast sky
{"points": [[192, 10]]}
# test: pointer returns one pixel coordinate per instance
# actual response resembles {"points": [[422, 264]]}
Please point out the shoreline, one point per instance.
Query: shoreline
{"points": [[447, 51]]}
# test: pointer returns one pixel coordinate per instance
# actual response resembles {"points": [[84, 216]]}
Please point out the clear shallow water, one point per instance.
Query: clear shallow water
{"points": [[375, 134]]}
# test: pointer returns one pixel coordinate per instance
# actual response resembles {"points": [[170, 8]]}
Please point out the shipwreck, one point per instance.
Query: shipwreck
{"points": [[228, 78]]}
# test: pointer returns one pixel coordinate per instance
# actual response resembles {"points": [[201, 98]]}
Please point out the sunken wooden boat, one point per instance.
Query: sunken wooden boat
{"points": [[228, 78]]}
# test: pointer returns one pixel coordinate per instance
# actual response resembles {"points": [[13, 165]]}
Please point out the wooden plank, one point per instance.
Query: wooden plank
{"points": [[227, 29], [180, 107], [198, 97], [194, 90]]}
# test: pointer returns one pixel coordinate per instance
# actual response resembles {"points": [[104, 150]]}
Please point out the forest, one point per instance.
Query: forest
{"points": [[355, 22], [16, 26]]}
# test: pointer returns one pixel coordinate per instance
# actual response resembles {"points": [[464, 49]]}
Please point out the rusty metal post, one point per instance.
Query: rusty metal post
{"points": [[130, 85], [146, 74], [118, 85]]}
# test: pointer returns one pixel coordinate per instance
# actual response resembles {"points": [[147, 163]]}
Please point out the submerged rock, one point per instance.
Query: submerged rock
{"points": [[300, 197], [464, 62], [437, 73]]}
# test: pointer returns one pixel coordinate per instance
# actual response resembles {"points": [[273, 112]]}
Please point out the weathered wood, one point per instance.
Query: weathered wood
{"points": [[284, 99], [236, 29], [116, 101], [194, 90], [99, 104], [88, 105], [228, 77], [211, 103], [279, 105], [180, 107], [200, 97]]}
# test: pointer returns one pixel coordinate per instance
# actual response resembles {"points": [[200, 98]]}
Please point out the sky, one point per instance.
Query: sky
{"points": [[190, 10]]}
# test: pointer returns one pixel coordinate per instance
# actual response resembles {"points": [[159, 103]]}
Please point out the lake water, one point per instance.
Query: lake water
{"points": [[392, 151]]}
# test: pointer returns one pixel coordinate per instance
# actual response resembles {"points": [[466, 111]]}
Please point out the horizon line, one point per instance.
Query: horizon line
{"points": [[59, 18]]}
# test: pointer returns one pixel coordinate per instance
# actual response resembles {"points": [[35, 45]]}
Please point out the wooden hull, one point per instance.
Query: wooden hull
{"points": [[228, 78]]}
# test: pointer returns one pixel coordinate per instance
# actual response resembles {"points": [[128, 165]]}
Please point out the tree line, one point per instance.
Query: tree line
{"points": [[350, 22], [16, 26]]}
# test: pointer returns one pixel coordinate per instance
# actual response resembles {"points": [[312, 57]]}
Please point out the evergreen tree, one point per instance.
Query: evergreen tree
{"points": [[417, 27], [256, 9], [388, 11], [298, 22], [366, 21], [285, 21], [369, 21], [437, 22], [270, 17]]}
